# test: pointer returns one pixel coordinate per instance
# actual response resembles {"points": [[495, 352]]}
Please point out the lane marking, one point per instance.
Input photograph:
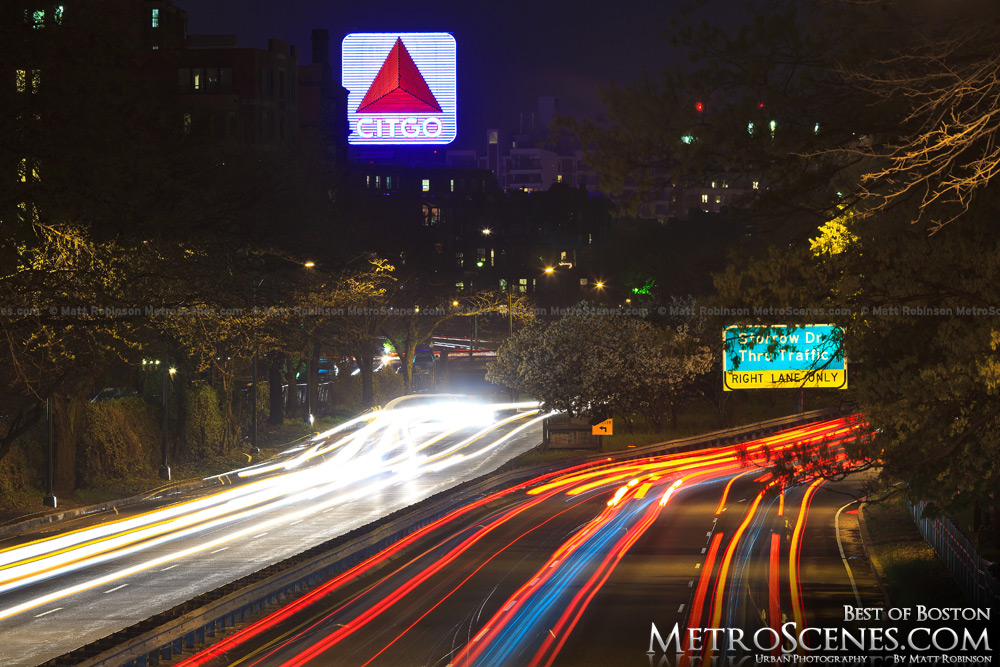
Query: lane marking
{"points": [[116, 588], [295, 522], [691, 583], [260, 534], [681, 608], [170, 568], [46, 613], [843, 557], [704, 549], [218, 550]]}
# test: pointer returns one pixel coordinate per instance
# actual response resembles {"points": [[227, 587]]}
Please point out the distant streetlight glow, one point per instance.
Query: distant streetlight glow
{"points": [[549, 269], [487, 231], [310, 265], [599, 285]]}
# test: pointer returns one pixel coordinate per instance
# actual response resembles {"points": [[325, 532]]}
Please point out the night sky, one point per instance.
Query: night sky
{"points": [[509, 53]]}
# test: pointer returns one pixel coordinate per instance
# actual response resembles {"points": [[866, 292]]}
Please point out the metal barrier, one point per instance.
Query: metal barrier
{"points": [[970, 570]]}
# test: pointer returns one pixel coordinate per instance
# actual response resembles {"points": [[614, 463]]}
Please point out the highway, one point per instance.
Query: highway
{"points": [[70, 584], [575, 567]]}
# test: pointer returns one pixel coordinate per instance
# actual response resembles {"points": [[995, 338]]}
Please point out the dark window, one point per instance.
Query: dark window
{"points": [[212, 80], [266, 125]]}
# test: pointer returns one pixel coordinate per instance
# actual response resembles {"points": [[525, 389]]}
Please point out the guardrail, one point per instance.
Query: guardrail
{"points": [[970, 570], [191, 625]]}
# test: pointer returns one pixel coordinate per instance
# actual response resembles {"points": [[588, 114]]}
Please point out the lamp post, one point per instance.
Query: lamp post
{"points": [[164, 466], [253, 377], [50, 499]]}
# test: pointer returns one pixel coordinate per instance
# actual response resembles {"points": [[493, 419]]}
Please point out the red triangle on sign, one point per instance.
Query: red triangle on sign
{"points": [[399, 87]]}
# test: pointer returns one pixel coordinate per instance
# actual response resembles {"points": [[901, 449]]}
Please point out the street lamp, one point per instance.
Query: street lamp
{"points": [[487, 231], [50, 497], [164, 466]]}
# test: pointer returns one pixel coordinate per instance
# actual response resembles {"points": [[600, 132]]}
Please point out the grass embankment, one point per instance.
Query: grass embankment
{"points": [[910, 569]]}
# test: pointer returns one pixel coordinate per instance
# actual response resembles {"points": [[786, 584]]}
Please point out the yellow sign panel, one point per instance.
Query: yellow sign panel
{"points": [[604, 428], [824, 379]]}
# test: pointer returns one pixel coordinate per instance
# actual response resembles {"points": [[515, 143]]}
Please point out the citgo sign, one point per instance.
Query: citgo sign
{"points": [[781, 356], [401, 87]]}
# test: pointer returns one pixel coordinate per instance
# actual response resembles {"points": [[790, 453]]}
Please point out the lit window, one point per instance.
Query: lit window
{"points": [[704, 199], [774, 126], [156, 18], [713, 185], [198, 78], [453, 185], [368, 181], [816, 128], [388, 182], [687, 138], [493, 136], [57, 15], [22, 170], [756, 185], [558, 178], [155, 47], [186, 123], [750, 128], [460, 259], [718, 199], [522, 285], [27, 81], [425, 185], [583, 282], [38, 18], [378, 182]]}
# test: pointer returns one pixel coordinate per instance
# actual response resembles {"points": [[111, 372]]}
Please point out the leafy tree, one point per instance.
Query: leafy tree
{"points": [[592, 360], [884, 114]]}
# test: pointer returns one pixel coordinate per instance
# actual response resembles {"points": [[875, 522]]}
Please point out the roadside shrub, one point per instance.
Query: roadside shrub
{"points": [[204, 426], [119, 439], [346, 394], [19, 475]]}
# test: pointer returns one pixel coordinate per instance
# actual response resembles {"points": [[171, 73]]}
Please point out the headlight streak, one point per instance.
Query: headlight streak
{"points": [[49, 557], [592, 552], [250, 530], [316, 594]]}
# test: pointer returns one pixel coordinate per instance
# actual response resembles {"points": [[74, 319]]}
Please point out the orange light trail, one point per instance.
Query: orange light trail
{"points": [[794, 555]]}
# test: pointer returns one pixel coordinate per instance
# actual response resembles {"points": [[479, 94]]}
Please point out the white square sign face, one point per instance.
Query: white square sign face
{"points": [[402, 87]]}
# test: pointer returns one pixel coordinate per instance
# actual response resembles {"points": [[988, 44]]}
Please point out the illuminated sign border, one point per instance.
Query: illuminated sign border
{"points": [[771, 371], [434, 53]]}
